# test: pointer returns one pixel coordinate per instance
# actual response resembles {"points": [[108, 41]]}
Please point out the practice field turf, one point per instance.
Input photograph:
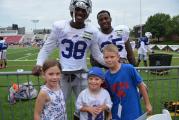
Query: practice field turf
{"points": [[161, 88]]}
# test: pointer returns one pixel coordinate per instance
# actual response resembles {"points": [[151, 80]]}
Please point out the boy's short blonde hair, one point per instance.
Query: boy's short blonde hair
{"points": [[110, 48]]}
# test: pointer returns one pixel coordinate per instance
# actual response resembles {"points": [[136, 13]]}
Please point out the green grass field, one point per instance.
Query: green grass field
{"points": [[162, 88]]}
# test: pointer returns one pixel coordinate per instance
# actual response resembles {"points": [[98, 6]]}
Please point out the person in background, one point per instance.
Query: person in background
{"points": [[50, 103], [122, 81], [3, 53], [118, 36], [94, 100], [143, 48]]}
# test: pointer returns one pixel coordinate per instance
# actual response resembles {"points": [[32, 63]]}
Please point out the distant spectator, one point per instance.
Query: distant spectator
{"points": [[3, 51]]}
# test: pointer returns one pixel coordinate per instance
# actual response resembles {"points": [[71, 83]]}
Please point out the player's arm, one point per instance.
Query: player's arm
{"points": [[144, 93], [95, 48], [97, 54], [47, 49], [149, 49], [130, 53], [49, 45], [39, 104]]}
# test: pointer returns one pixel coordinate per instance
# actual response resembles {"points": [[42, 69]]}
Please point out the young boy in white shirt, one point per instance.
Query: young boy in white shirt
{"points": [[94, 100]]}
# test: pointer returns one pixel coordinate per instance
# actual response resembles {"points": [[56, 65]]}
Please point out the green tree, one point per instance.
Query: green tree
{"points": [[175, 25], [158, 25]]}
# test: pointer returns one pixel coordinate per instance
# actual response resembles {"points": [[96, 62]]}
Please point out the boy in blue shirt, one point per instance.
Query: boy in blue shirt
{"points": [[122, 81]]}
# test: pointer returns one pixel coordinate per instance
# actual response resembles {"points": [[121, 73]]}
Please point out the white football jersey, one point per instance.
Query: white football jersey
{"points": [[144, 46], [73, 46], [118, 37], [86, 98]]}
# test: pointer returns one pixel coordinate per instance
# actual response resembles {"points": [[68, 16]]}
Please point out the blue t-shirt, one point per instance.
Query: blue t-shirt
{"points": [[122, 87]]}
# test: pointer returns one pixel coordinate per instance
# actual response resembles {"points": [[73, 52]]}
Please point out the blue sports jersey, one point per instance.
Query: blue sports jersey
{"points": [[3, 45], [122, 87]]}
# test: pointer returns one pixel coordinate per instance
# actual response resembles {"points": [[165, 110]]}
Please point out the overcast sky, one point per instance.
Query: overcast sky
{"points": [[126, 12]]}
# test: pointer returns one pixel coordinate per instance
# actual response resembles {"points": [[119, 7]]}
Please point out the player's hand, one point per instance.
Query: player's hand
{"points": [[37, 70], [149, 109]]}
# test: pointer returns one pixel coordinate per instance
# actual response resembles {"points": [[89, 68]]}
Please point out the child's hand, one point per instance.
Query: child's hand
{"points": [[93, 110], [149, 109], [97, 110], [101, 108]]}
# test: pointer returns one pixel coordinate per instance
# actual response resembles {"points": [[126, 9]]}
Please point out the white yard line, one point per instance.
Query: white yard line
{"points": [[22, 60], [26, 56], [15, 52]]}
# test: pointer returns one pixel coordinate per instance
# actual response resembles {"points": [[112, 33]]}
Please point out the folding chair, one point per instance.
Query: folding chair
{"points": [[164, 116], [165, 111]]}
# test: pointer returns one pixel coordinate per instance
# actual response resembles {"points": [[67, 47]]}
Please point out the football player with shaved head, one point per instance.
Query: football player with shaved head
{"points": [[118, 36], [73, 38]]}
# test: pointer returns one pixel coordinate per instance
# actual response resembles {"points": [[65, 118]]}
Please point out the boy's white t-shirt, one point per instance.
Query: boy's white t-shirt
{"points": [[86, 98]]}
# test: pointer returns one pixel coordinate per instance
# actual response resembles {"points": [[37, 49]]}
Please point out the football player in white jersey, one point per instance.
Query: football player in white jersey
{"points": [[74, 38], [118, 35], [3, 52], [144, 48]]}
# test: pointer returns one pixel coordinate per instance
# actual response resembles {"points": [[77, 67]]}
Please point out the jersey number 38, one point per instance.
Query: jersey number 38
{"points": [[74, 49]]}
